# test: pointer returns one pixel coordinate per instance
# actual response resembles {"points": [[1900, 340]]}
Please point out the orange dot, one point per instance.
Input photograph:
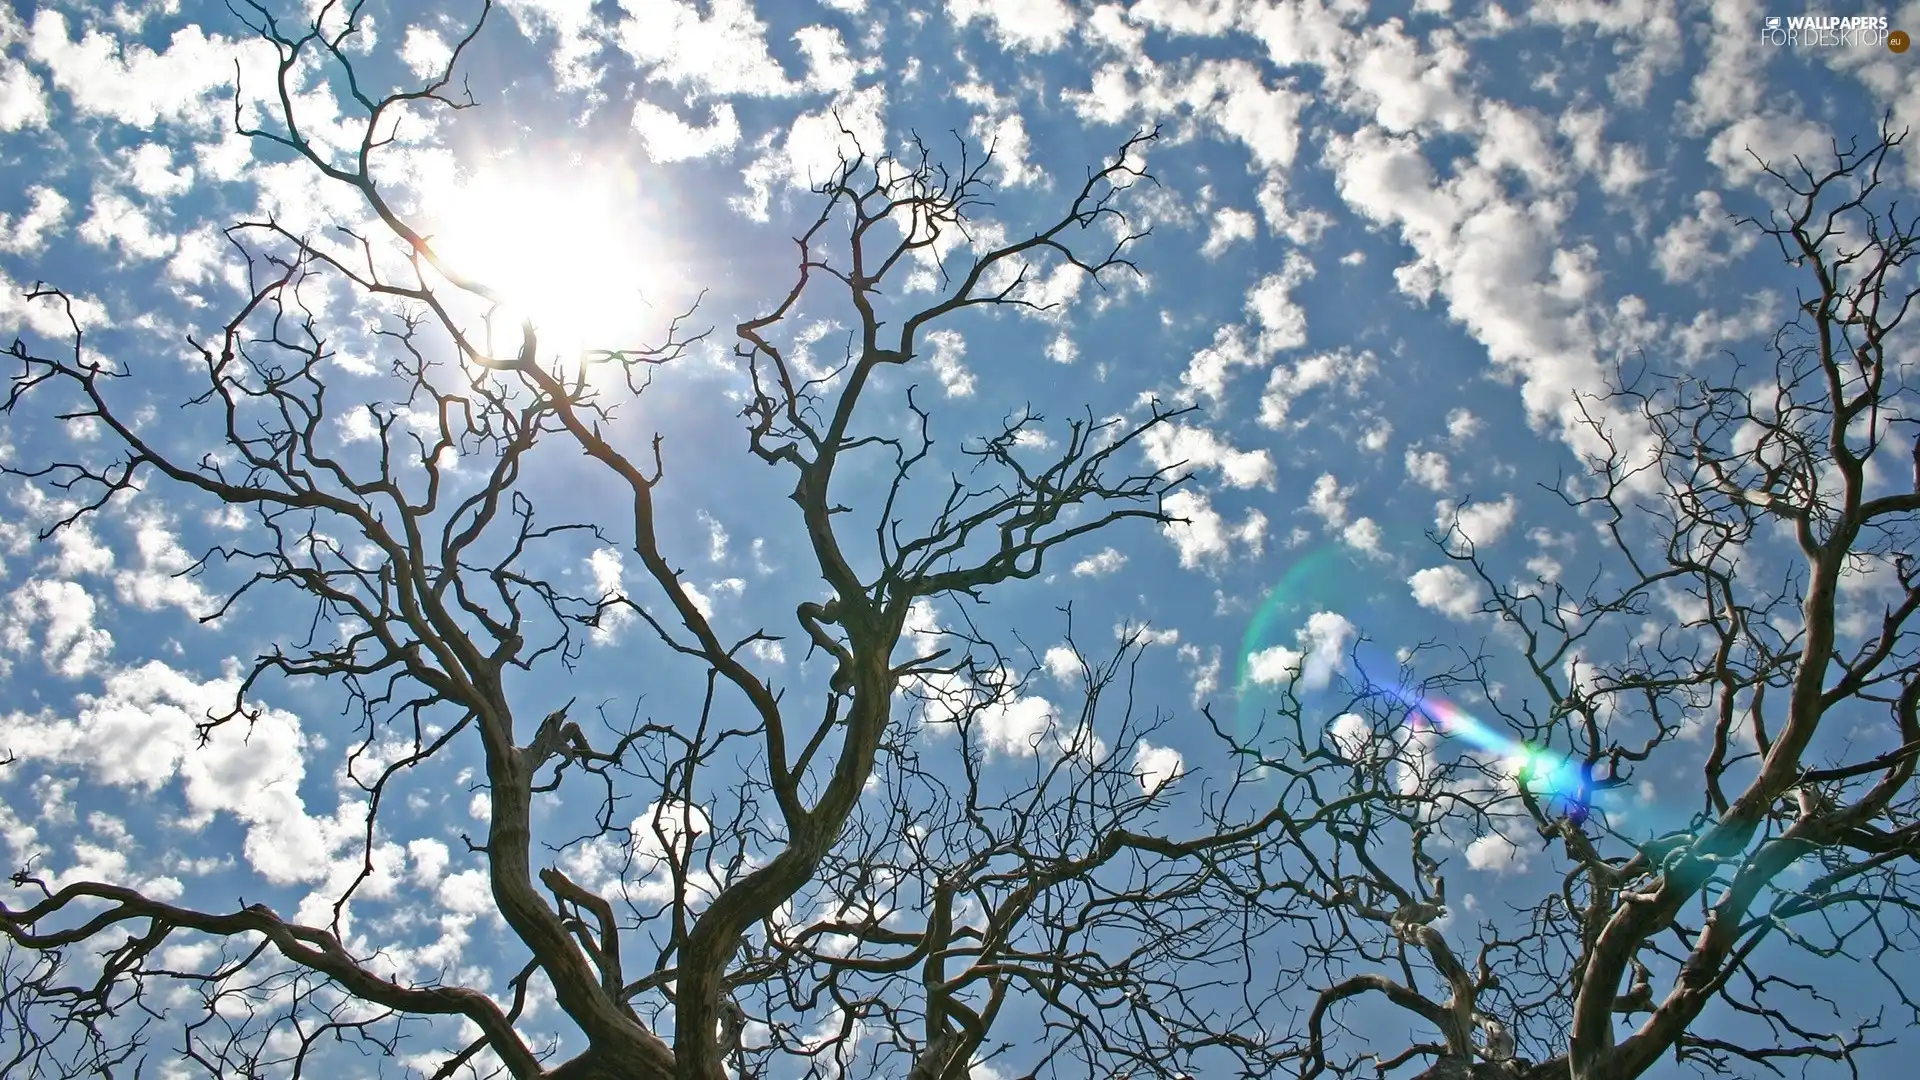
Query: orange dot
{"points": [[1898, 41]]}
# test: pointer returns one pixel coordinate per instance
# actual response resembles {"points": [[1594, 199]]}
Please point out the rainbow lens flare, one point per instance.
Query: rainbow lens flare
{"points": [[1565, 783]]}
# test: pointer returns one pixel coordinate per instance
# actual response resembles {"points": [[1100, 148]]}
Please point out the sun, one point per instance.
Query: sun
{"points": [[574, 250]]}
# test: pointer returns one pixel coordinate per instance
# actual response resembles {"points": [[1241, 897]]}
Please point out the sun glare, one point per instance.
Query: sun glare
{"points": [[569, 250]]}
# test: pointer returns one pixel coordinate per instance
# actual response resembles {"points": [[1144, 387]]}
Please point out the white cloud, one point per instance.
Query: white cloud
{"points": [[430, 859], [1204, 538], [999, 127], [1063, 664], [1376, 437], [424, 52], [160, 580], [114, 219], [466, 893], [1498, 264], [1322, 654], [1362, 535], [140, 732], [1206, 672], [1100, 563], [1283, 323], [1353, 737], [1496, 853], [1029, 25], [948, 359], [44, 316], [1482, 524], [829, 68], [132, 83], [1230, 226], [149, 169], [80, 551], [1175, 445], [1447, 590], [716, 537], [1428, 468], [41, 221], [1275, 664], [1328, 501], [669, 139], [70, 643], [1210, 369], [1618, 167], [576, 33], [1707, 241], [813, 147], [1156, 766], [1462, 425], [722, 55], [1018, 727], [1202, 17], [605, 568], [1287, 383], [23, 99]]}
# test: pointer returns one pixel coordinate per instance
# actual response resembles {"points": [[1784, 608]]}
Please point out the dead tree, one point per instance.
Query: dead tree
{"points": [[830, 898], [1755, 633]]}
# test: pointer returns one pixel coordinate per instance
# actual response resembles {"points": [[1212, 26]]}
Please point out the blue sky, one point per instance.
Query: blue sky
{"points": [[1389, 243]]}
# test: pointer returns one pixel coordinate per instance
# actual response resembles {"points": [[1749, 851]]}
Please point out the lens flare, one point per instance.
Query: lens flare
{"points": [[1565, 783], [1320, 580]]}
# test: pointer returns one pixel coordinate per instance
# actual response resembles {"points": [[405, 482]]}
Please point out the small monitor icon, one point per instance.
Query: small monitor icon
{"points": [[1773, 22]]}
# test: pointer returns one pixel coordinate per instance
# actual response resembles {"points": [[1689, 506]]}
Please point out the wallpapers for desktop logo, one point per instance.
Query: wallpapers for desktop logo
{"points": [[1832, 31]]}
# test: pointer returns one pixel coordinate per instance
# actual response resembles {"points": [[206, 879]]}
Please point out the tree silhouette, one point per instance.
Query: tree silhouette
{"points": [[826, 877], [1791, 695], [782, 875]]}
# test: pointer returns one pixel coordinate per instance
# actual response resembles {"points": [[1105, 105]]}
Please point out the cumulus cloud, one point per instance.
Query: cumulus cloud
{"points": [[1343, 367], [1101, 563], [1353, 737], [1496, 853], [160, 579], [140, 732], [63, 613], [812, 147], [424, 51], [1156, 766], [1328, 501], [947, 355], [1283, 322], [1479, 524], [1028, 25], [1462, 425], [42, 220], [1428, 468], [1322, 654], [668, 139], [605, 569], [1186, 446], [1708, 240], [1496, 261], [1212, 367], [1447, 590], [721, 54], [1229, 227], [1203, 538], [1063, 664]]}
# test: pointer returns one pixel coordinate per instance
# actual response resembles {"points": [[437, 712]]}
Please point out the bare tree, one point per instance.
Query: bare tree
{"points": [[839, 875], [1755, 633], [828, 900]]}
